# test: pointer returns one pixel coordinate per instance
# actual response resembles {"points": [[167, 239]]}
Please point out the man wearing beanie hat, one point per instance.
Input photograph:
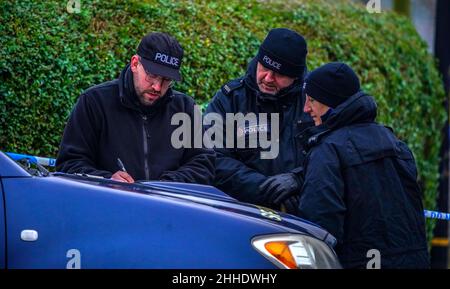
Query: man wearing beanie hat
{"points": [[360, 180], [272, 85], [122, 129]]}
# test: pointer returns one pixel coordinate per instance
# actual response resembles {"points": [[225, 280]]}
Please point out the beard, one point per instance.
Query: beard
{"points": [[148, 96], [267, 88]]}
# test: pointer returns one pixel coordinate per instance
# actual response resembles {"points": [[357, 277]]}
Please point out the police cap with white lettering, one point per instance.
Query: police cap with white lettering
{"points": [[161, 54], [284, 51]]}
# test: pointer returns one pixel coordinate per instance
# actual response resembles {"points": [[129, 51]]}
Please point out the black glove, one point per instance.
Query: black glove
{"points": [[279, 188], [290, 206]]}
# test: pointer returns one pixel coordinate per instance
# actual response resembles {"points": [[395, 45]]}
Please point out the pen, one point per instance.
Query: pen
{"points": [[120, 164]]}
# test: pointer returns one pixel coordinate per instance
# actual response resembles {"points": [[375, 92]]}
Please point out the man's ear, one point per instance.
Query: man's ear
{"points": [[134, 62]]}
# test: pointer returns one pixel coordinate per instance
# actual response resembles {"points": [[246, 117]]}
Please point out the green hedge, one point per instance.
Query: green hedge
{"points": [[49, 56]]}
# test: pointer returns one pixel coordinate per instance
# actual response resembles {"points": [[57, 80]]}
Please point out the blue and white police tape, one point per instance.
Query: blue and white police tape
{"points": [[48, 162], [436, 215]]}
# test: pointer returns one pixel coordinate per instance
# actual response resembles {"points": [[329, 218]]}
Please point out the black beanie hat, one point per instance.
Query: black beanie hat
{"points": [[332, 83], [283, 51]]}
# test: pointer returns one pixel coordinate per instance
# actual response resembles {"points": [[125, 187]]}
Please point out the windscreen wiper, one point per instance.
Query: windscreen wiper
{"points": [[40, 171]]}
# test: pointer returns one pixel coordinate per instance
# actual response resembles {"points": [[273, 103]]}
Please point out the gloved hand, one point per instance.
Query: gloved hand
{"points": [[290, 206], [279, 188]]}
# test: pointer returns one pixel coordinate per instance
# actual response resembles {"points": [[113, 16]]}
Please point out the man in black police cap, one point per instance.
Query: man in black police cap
{"points": [[360, 179], [272, 85], [122, 129]]}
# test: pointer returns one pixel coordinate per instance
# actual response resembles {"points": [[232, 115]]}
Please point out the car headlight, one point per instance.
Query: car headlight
{"points": [[292, 251]]}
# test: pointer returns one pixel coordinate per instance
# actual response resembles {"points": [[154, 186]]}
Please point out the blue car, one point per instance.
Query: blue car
{"points": [[78, 221]]}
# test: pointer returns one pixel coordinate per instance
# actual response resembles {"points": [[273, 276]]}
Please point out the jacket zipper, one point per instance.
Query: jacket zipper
{"points": [[145, 136]]}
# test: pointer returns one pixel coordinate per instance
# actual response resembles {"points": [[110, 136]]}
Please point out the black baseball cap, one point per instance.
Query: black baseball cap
{"points": [[161, 54]]}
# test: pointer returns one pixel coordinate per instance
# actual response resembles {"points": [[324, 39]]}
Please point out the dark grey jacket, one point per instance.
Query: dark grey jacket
{"points": [[361, 186], [239, 172]]}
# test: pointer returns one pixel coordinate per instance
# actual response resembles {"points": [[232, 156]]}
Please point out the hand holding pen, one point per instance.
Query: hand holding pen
{"points": [[122, 175]]}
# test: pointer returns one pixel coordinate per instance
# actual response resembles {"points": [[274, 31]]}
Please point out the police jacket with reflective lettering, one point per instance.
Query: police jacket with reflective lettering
{"points": [[360, 185], [108, 122], [239, 171]]}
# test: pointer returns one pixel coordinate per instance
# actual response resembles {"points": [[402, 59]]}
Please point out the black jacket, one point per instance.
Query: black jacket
{"points": [[361, 186], [239, 172], [108, 122]]}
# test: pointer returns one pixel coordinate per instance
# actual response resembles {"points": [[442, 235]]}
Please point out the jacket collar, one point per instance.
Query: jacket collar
{"points": [[359, 108]]}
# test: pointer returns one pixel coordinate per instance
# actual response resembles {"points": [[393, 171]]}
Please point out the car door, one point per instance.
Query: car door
{"points": [[53, 223]]}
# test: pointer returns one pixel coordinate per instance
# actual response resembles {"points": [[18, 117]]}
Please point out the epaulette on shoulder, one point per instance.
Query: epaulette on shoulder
{"points": [[232, 85]]}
